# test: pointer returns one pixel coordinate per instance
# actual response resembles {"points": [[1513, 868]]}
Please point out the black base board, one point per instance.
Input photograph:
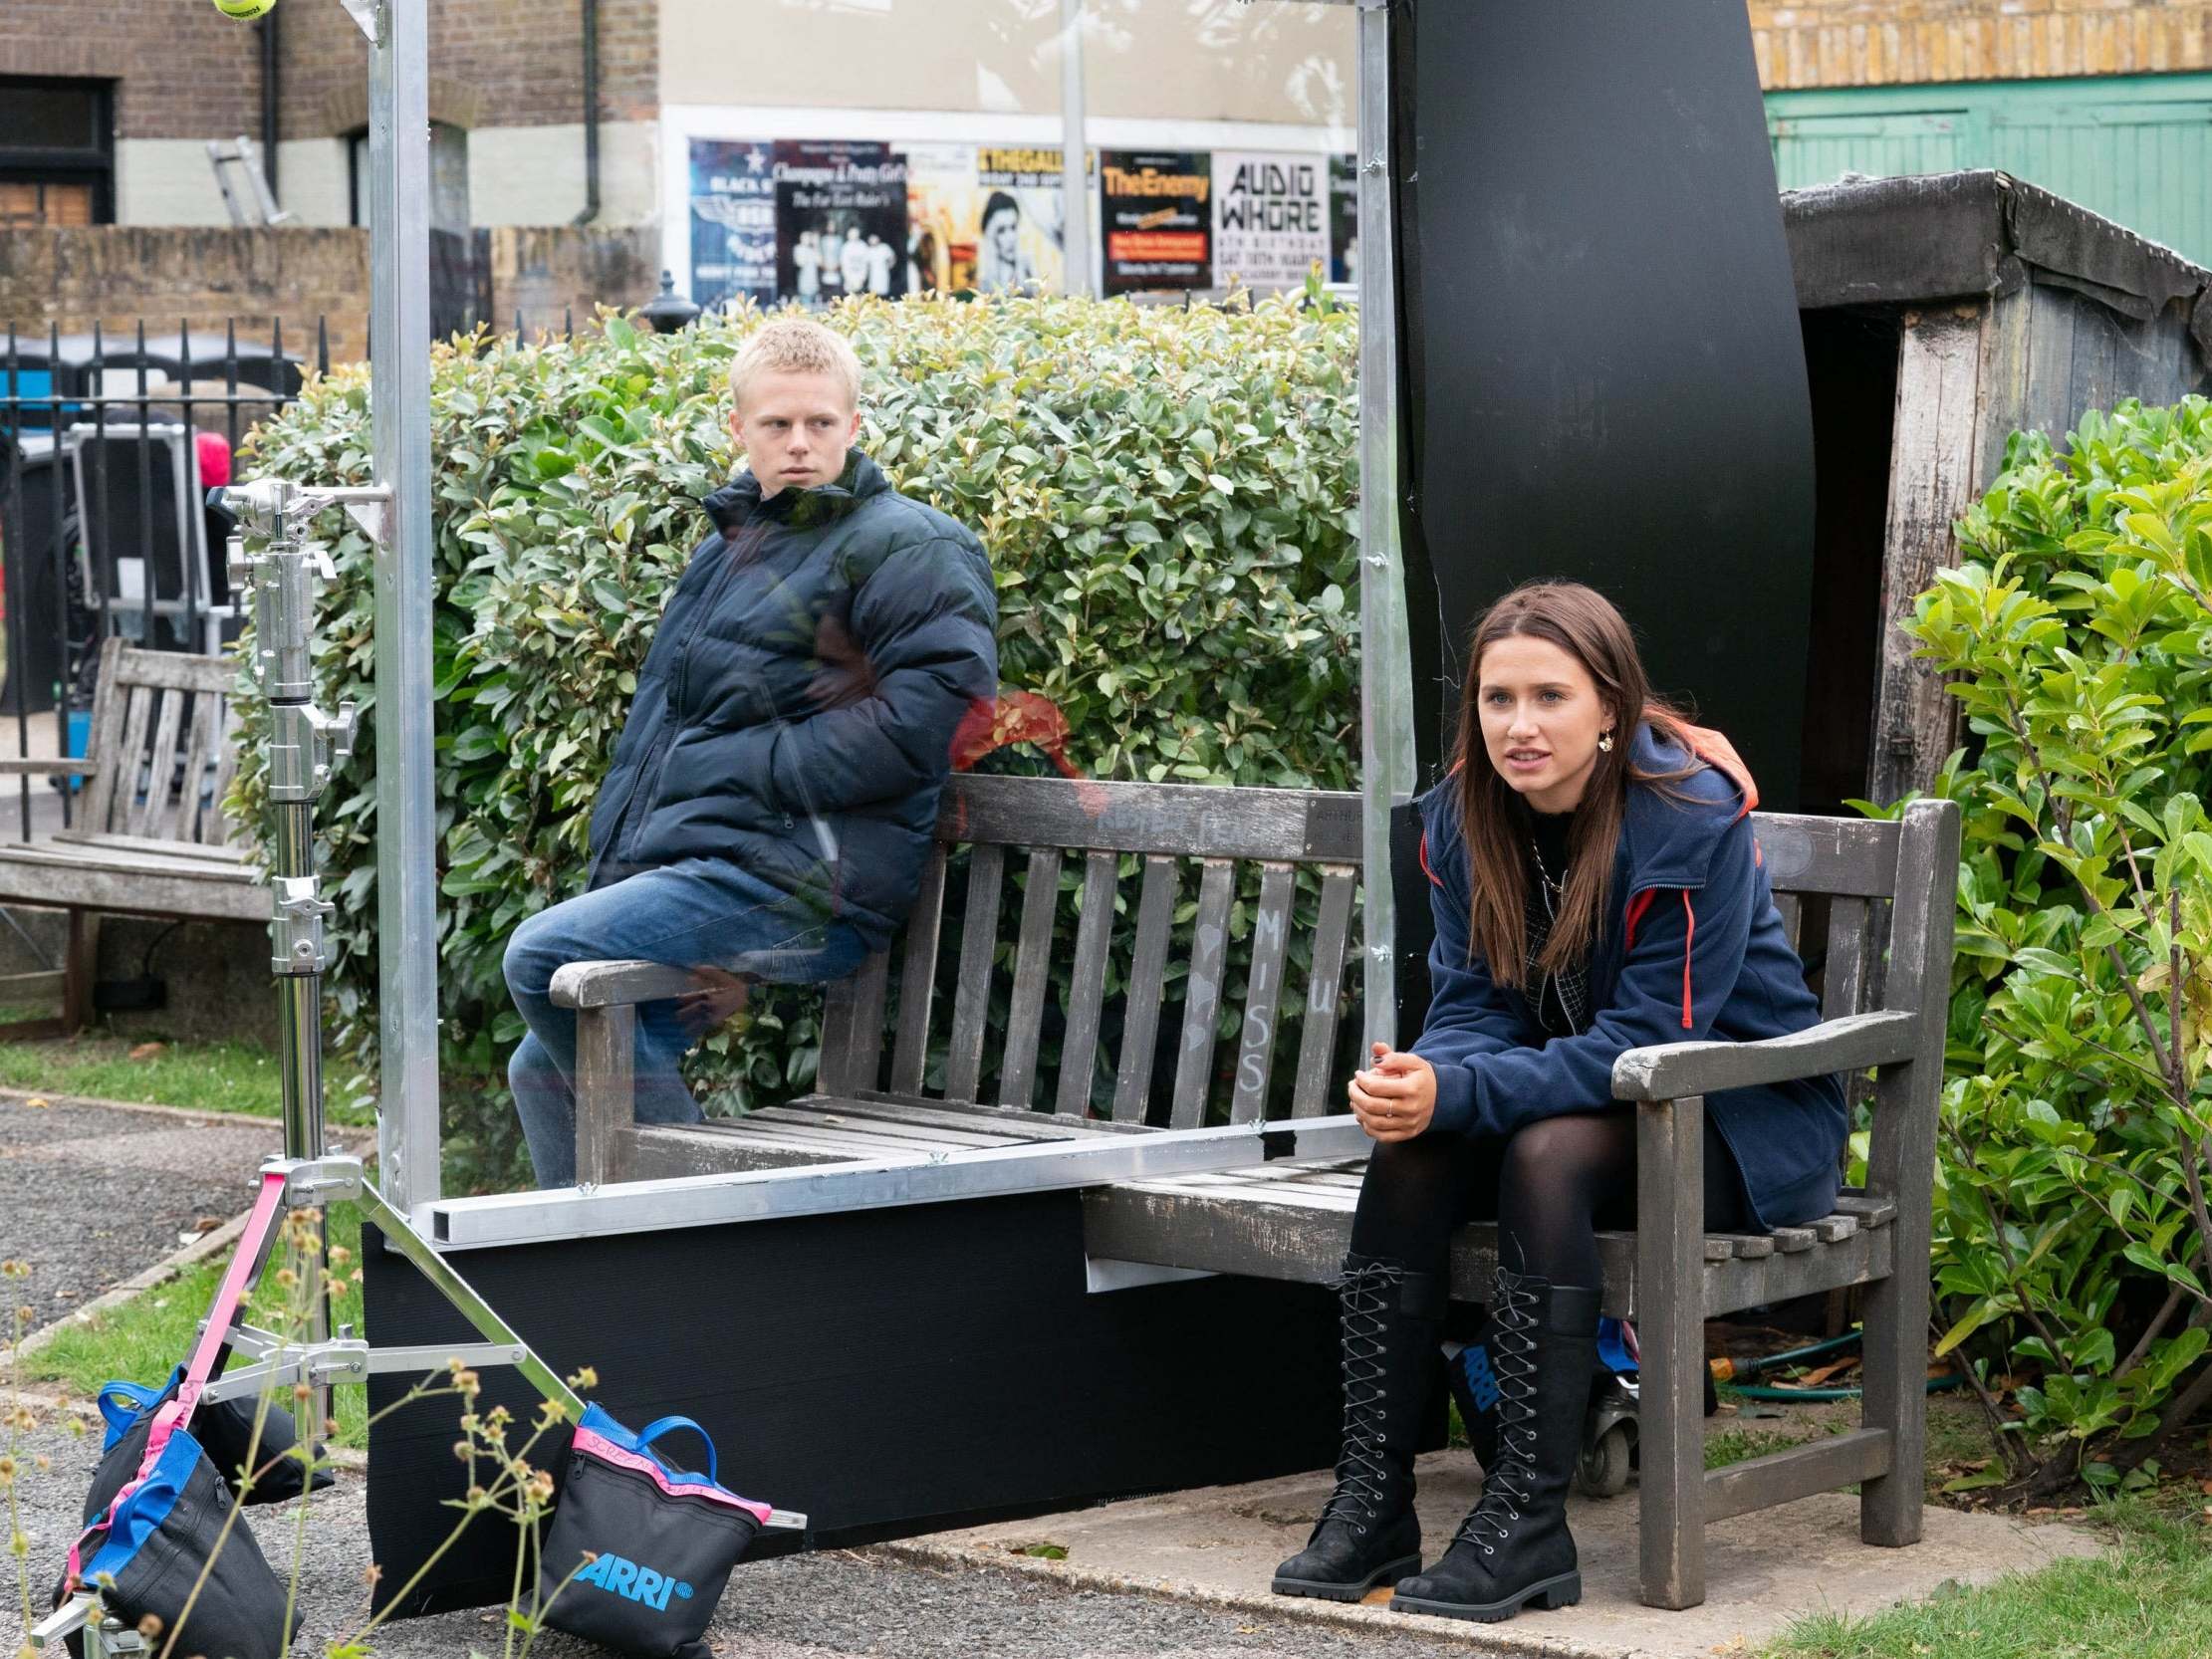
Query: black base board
{"points": [[887, 1372]]}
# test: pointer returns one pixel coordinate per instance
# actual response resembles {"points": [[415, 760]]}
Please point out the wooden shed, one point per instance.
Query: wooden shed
{"points": [[1942, 313]]}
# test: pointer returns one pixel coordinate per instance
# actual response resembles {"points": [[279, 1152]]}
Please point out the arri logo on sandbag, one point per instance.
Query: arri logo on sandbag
{"points": [[632, 1582]]}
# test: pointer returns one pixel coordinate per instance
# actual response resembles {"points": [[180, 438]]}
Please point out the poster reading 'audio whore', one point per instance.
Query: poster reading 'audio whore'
{"points": [[1157, 214], [1270, 217]]}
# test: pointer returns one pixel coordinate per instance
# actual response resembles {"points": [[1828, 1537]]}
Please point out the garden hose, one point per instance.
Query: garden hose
{"points": [[1727, 1370]]}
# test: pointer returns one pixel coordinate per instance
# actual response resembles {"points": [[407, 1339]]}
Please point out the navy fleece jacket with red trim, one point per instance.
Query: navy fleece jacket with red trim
{"points": [[1693, 949]]}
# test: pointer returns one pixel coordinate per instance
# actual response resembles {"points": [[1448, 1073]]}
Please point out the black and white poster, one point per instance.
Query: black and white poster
{"points": [[1270, 217], [1158, 213], [840, 220], [733, 221]]}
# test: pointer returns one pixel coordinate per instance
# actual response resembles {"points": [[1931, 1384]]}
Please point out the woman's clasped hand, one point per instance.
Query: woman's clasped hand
{"points": [[1395, 1097]]}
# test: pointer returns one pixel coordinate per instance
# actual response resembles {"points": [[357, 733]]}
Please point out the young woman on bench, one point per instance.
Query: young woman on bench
{"points": [[1597, 888]]}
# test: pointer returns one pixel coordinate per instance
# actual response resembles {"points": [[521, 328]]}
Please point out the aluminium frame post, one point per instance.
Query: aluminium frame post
{"points": [[1386, 769], [1075, 173], [400, 371]]}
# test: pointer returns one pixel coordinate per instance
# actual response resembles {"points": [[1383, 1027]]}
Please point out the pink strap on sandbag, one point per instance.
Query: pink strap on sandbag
{"points": [[222, 1314]]}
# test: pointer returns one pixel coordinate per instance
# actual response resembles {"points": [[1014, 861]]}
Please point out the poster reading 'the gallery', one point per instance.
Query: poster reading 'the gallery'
{"points": [[1270, 217], [733, 221], [840, 220], [1157, 215]]}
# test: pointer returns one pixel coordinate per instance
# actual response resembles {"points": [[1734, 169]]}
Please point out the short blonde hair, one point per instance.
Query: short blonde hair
{"points": [[796, 346]]}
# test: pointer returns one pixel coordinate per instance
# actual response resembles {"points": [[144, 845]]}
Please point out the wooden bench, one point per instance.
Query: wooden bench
{"points": [[147, 835], [1205, 852], [1846, 885]]}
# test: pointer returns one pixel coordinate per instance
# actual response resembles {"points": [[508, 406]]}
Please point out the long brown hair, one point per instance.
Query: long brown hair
{"points": [[1583, 623]]}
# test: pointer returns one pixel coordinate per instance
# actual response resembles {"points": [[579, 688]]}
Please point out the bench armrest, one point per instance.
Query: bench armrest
{"points": [[608, 984], [68, 766], [1677, 1070]]}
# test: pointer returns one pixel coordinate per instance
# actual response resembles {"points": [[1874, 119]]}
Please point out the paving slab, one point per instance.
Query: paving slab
{"points": [[1219, 1547]]}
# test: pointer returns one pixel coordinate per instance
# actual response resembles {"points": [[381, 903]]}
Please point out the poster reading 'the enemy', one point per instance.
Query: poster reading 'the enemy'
{"points": [[1270, 217], [1157, 214]]}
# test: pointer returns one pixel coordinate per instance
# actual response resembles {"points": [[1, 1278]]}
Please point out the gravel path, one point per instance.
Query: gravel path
{"points": [[90, 1195], [831, 1605]]}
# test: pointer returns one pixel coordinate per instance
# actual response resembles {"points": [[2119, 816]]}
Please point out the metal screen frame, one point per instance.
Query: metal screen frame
{"points": [[407, 849]]}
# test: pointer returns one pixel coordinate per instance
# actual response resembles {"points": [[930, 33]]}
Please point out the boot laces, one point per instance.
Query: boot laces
{"points": [[1513, 1361], [1365, 1291]]}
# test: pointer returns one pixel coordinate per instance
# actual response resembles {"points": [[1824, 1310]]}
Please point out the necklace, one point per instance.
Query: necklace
{"points": [[1554, 888]]}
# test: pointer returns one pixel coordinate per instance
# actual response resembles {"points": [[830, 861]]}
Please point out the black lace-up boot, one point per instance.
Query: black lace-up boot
{"points": [[1367, 1534], [1514, 1547]]}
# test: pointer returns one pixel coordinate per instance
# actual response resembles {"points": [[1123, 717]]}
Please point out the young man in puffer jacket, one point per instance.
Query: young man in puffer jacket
{"points": [[774, 791]]}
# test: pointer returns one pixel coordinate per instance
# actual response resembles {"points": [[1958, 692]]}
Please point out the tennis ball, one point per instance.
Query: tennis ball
{"points": [[243, 8]]}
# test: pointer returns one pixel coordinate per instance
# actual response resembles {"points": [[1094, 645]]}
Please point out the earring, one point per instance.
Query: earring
{"points": [[1605, 743]]}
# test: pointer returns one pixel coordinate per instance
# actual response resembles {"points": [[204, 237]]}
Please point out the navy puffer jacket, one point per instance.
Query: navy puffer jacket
{"points": [[1693, 949], [796, 708]]}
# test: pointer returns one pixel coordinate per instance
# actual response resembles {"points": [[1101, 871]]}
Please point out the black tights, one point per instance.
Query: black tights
{"points": [[1549, 1186]]}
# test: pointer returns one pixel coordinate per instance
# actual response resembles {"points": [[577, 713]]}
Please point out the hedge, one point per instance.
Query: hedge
{"points": [[1167, 494]]}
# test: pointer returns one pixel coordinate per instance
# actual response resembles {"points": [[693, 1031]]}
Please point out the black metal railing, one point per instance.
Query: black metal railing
{"points": [[108, 443]]}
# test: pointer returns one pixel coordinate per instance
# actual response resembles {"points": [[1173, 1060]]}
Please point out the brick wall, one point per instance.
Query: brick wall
{"points": [[186, 72], [184, 69], [116, 274], [493, 62], [1872, 43]]}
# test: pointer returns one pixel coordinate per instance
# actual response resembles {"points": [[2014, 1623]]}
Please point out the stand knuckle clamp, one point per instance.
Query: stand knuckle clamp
{"points": [[297, 910]]}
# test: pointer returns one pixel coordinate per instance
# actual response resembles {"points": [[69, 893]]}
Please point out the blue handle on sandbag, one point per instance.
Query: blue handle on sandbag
{"points": [[120, 1418], [661, 1425]]}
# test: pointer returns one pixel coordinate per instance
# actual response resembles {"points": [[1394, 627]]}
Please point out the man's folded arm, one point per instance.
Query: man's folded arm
{"points": [[929, 641]]}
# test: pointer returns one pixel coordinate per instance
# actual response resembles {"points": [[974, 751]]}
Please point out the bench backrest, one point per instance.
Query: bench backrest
{"points": [[162, 746], [1140, 889], [1173, 881]]}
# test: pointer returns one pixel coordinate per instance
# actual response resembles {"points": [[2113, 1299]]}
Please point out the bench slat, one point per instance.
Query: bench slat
{"points": [[199, 748], [971, 1001], [215, 824], [153, 808], [1026, 1126], [1180, 819], [1032, 968], [1078, 1051], [104, 745], [917, 978], [129, 761], [1789, 904], [1847, 936], [1155, 916], [1317, 1043], [1295, 1230], [1209, 949], [852, 1027], [1802, 853], [1263, 995], [174, 670]]}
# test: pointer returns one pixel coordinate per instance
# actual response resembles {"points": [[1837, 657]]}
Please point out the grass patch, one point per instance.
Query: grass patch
{"points": [[198, 1076], [152, 1333], [2151, 1599], [1726, 1446]]}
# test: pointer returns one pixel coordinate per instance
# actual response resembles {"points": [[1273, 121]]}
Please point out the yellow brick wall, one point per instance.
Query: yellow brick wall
{"points": [[1879, 43]]}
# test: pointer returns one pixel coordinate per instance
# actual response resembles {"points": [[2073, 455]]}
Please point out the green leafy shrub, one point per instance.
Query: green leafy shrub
{"points": [[1168, 497], [2072, 1227]]}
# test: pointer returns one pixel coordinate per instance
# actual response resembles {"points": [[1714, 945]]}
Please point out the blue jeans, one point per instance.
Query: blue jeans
{"points": [[700, 913]]}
